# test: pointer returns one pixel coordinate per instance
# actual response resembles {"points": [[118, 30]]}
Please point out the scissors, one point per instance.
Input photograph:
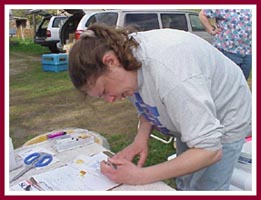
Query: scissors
{"points": [[37, 159]]}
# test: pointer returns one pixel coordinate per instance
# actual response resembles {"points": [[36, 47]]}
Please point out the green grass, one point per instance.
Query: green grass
{"points": [[26, 46], [38, 84]]}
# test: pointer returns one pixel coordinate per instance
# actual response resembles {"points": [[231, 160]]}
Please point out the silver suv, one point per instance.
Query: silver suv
{"points": [[146, 20], [143, 19]]}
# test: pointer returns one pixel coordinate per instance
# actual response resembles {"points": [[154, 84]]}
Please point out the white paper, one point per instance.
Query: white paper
{"points": [[83, 174]]}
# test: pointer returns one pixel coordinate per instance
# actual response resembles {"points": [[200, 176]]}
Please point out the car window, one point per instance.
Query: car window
{"points": [[107, 18], [143, 21], [58, 22], [195, 23], [44, 23], [175, 21]]}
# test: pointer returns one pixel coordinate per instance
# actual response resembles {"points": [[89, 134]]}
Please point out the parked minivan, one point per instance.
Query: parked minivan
{"points": [[143, 19], [146, 20]]}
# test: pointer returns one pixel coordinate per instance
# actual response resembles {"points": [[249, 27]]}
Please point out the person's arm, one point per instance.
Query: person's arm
{"points": [[206, 23], [144, 129], [188, 162], [142, 138]]}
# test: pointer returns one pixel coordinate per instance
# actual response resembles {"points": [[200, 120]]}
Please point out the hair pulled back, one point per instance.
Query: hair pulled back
{"points": [[85, 56]]}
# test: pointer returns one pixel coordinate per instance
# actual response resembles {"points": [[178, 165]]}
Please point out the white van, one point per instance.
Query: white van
{"points": [[146, 20]]}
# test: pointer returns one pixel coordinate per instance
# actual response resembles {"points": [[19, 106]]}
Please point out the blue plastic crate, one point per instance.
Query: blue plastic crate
{"points": [[54, 68], [55, 59]]}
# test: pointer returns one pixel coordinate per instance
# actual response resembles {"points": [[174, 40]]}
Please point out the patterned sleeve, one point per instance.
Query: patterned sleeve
{"points": [[212, 13]]}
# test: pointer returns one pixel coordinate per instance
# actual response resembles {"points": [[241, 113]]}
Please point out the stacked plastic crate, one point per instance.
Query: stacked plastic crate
{"points": [[55, 62]]}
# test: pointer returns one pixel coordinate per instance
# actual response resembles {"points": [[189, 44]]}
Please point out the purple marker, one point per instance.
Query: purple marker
{"points": [[56, 134]]}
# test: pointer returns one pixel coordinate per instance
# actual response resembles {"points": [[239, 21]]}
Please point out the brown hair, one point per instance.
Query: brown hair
{"points": [[85, 56]]}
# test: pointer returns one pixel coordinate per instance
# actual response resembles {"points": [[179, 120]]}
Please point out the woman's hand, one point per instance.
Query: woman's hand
{"points": [[215, 30], [137, 148], [126, 172]]}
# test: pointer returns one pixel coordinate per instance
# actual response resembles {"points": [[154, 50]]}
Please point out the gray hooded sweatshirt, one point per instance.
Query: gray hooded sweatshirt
{"points": [[187, 88]]}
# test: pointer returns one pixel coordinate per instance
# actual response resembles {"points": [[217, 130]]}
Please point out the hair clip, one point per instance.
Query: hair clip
{"points": [[88, 33]]}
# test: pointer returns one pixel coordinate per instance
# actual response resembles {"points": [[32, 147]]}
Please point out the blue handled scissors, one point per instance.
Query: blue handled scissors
{"points": [[37, 159]]}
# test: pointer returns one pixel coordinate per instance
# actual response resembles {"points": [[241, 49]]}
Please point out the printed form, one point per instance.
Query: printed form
{"points": [[83, 174]]}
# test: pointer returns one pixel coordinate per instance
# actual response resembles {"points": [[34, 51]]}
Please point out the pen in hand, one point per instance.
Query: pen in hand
{"points": [[110, 164], [109, 154]]}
